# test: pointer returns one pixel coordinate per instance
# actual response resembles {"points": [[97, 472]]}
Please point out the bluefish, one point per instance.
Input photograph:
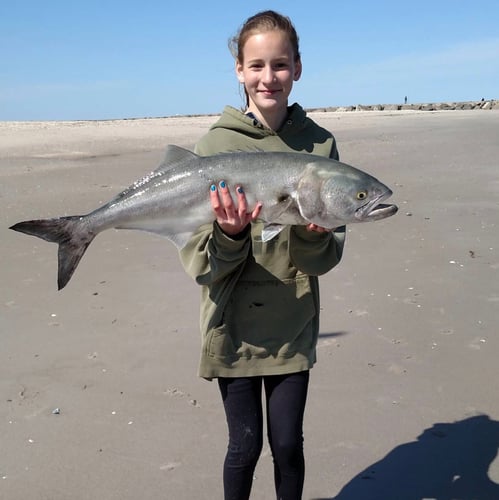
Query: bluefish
{"points": [[173, 200]]}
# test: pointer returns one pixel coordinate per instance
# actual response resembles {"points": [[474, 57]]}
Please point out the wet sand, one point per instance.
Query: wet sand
{"points": [[99, 397]]}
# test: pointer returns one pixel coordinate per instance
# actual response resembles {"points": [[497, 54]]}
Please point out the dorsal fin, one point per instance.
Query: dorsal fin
{"points": [[174, 156]]}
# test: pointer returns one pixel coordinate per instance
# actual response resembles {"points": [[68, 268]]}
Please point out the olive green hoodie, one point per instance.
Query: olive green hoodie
{"points": [[260, 301]]}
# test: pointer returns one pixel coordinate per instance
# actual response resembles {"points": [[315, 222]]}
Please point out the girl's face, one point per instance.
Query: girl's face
{"points": [[268, 72]]}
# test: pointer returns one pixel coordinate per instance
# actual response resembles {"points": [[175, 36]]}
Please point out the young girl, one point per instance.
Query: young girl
{"points": [[260, 301]]}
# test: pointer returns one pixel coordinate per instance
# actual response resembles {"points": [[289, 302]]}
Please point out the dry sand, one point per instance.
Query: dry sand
{"points": [[99, 397]]}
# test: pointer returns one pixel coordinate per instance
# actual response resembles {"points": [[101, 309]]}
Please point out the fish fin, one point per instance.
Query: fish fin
{"points": [[270, 231], [179, 239], [274, 212], [174, 156], [68, 233]]}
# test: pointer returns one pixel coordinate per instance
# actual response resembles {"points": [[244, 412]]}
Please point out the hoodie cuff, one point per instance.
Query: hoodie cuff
{"points": [[304, 234], [230, 242]]}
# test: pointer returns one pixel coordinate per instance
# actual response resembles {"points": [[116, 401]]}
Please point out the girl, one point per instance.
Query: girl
{"points": [[260, 301]]}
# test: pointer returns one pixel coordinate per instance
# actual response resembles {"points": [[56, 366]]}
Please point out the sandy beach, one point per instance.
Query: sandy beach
{"points": [[99, 398]]}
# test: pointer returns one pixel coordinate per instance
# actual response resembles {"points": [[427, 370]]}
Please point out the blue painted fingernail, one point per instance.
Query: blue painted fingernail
{"points": [[222, 184], [213, 187], [240, 190]]}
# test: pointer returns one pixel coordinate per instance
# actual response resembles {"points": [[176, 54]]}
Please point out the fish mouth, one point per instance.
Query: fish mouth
{"points": [[375, 210]]}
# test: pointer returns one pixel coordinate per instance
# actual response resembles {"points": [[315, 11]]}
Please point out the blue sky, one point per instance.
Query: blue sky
{"points": [[63, 60]]}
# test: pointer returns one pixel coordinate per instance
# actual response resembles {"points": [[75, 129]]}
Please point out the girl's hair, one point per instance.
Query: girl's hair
{"points": [[262, 22]]}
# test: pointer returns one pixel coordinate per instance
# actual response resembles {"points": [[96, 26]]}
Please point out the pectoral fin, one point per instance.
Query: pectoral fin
{"points": [[277, 211], [283, 213], [270, 231]]}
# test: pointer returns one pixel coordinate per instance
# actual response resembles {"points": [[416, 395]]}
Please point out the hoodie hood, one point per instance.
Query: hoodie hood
{"points": [[237, 121], [235, 131]]}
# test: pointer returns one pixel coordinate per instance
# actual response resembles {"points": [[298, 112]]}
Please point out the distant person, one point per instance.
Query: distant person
{"points": [[260, 301], [405, 100]]}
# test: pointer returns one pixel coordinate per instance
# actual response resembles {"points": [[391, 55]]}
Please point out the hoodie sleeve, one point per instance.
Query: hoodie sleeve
{"points": [[315, 253], [210, 255], [204, 147]]}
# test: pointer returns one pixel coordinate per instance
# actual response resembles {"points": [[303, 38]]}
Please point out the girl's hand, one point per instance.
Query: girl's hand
{"points": [[232, 219], [318, 229]]}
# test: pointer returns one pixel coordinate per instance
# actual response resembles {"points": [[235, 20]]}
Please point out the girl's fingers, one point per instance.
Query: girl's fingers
{"points": [[214, 198], [232, 220], [242, 204], [317, 229], [256, 211], [221, 200], [226, 198]]}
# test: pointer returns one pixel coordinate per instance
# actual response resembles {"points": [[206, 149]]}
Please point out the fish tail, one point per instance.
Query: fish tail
{"points": [[70, 233]]}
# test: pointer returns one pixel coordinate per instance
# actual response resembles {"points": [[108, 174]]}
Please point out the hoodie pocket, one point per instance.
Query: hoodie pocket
{"points": [[219, 345], [271, 318]]}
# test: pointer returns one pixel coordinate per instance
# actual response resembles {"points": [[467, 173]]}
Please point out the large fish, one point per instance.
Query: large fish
{"points": [[173, 201]]}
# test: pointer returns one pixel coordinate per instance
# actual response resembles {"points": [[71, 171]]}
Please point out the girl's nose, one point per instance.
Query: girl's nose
{"points": [[268, 75]]}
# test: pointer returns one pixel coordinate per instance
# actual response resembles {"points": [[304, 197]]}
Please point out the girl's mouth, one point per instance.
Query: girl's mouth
{"points": [[268, 91]]}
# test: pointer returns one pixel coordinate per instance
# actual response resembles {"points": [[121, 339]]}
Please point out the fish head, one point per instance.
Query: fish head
{"points": [[374, 209], [341, 194], [355, 196]]}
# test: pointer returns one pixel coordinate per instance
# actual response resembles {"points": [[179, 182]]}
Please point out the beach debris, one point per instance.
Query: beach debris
{"points": [[56, 411], [174, 392], [170, 466], [54, 323]]}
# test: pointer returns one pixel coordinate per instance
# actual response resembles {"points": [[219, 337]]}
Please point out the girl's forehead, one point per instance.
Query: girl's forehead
{"points": [[267, 42]]}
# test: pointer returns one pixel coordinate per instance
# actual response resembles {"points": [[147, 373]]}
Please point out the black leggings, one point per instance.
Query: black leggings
{"points": [[285, 397]]}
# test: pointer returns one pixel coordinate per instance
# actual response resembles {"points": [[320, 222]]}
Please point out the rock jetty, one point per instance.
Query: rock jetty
{"points": [[441, 106]]}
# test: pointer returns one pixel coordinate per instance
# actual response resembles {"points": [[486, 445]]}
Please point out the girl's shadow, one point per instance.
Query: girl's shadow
{"points": [[447, 462]]}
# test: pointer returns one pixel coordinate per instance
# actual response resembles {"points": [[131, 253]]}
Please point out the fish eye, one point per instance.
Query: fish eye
{"points": [[362, 195]]}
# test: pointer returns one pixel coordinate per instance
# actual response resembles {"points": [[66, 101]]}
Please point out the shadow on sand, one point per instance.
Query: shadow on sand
{"points": [[329, 335], [447, 462]]}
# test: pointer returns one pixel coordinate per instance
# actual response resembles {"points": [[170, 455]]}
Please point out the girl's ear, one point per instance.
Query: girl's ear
{"points": [[239, 71], [298, 70]]}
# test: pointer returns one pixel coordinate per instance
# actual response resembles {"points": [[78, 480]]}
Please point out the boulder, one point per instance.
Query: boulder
{"points": [[392, 107]]}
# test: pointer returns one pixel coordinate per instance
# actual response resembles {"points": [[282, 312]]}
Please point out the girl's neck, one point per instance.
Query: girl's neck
{"points": [[272, 119]]}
